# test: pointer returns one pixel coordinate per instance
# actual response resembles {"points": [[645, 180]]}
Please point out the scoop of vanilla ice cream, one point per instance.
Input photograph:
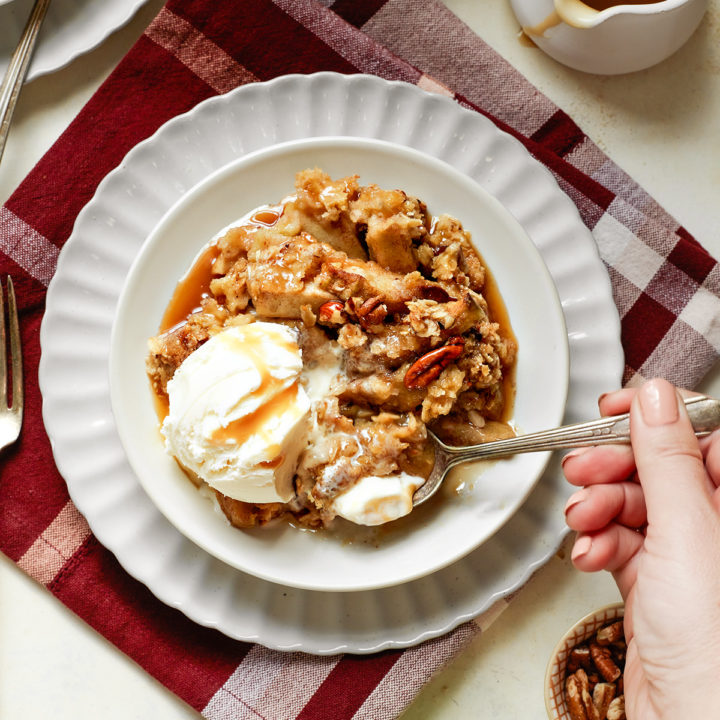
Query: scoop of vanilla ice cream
{"points": [[374, 500], [237, 413]]}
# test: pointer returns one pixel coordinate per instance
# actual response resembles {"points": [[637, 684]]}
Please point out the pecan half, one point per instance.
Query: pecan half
{"points": [[604, 662], [579, 658], [590, 709], [371, 312], [603, 695], [429, 366], [436, 293], [610, 633], [332, 313], [616, 711], [573, 696], [583, 679]]}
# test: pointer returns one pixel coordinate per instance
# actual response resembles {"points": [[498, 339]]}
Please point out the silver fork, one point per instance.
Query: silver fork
{"points": [[704, 414], [17, 69], [11, 415]]}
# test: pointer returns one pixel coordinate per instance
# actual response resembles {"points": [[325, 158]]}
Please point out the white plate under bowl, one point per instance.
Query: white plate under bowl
{"points": [[356, 558], [92, 270]]}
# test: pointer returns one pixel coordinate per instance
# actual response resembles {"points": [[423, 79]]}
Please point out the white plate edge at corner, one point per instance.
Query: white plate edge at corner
{"points": [[87, 31], [412, 619]]}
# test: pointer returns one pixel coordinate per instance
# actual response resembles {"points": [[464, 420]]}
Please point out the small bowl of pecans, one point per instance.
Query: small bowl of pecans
{"points": [[584, 678]]}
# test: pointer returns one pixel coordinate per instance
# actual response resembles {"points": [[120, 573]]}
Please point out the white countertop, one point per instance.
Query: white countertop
{"points": [[660, 125]]}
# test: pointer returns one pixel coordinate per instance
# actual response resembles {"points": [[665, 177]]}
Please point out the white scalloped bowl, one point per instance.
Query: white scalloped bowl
{"points": [[358, 558]]}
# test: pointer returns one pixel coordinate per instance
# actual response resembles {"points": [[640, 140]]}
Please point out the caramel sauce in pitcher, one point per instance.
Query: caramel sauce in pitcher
{"points": [[577, 13], [606, 4]]}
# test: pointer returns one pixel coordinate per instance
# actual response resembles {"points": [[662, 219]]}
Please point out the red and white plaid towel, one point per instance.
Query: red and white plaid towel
{"points": [[666, 288]]}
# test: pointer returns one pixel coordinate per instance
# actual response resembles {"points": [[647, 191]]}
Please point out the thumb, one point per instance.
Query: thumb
{"points": [[667, 456]]}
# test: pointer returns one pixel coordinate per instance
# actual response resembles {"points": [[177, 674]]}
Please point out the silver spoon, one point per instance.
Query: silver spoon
{"points": [[704, 414]]}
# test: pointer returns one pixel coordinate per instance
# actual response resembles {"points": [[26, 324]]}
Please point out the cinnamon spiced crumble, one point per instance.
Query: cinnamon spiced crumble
{"points": [[397, 302]]}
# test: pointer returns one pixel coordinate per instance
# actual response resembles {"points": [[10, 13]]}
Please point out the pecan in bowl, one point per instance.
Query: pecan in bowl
{"points": [[584, 677]]}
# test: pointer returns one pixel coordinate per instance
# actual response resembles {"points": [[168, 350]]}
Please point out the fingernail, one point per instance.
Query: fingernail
{"points": [[658, 402], [572, 454], [575, 499], [581, 548]]}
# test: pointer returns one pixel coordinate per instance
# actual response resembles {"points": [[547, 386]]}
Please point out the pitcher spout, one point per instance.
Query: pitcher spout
{"points": [[577, 14]]}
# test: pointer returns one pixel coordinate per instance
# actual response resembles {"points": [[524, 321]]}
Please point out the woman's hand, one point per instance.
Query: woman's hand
{"points": [[650, 514]]}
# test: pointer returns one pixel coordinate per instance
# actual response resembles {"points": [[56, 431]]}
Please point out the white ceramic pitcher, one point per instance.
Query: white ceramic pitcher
{"points": [[618, 39]]}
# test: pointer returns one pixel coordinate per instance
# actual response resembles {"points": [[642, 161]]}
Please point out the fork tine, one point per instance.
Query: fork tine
{"points": [[15, 351], [3, 354]]}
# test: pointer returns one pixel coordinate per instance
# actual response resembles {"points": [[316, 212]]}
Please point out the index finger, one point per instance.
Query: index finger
{"points": [[616, 403]]}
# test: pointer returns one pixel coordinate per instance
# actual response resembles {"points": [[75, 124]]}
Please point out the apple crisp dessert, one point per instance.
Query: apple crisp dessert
{"points": [[399, 328]]}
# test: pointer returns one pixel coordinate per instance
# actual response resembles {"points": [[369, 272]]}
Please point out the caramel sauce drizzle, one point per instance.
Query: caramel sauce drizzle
{"points": [[539, 30], [267, 217], [195, 284], [190, 290], [272, 464], [162, 405], [240, 430], [498, 313]]}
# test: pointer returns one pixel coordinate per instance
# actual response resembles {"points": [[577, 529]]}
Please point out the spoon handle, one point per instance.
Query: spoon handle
{"points": [[704, 414]]}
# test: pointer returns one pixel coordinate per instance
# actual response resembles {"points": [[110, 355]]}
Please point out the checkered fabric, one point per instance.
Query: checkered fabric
{"points": [[666, 288]]}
